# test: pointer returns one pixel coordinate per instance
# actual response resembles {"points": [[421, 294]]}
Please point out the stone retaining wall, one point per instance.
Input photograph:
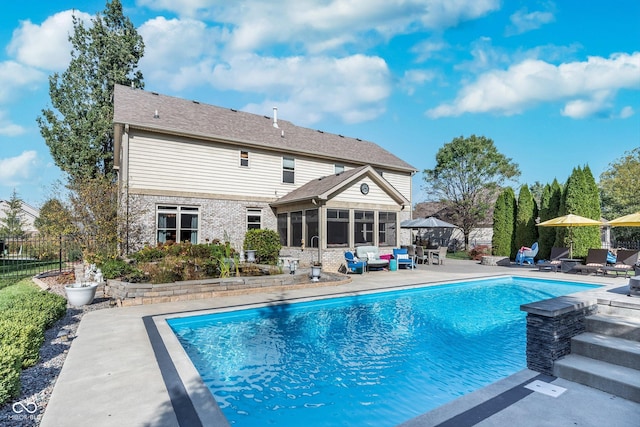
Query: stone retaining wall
{"points": [[550, 326], [127, 294]]}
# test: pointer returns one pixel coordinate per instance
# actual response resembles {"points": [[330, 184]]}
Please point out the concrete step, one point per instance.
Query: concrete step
{"points": [[615, 326], [609, 349], [615, 379], [630, 309]]}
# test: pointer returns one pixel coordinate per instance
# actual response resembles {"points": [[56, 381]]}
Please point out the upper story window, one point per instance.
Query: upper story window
{"points": [[254, 219], [244, 158], [338, 168], [288, 170]]}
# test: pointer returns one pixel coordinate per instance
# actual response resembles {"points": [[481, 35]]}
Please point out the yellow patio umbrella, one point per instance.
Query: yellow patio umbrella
{"points": [[570, 221], [631, 220]]}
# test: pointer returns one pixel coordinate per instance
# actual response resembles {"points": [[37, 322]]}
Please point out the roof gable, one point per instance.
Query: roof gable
{"points": [[324, 187], [160, 113]]}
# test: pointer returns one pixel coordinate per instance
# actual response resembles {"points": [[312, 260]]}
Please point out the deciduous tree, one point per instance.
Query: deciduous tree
{"points": [[468, 175], [619, 192]]}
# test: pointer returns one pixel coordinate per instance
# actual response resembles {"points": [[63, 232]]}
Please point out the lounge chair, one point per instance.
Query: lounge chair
{"points": [[554, 263], [354, 265], [595, 262], [527, 255], [626, 261], [440, 256], [403, 258]]}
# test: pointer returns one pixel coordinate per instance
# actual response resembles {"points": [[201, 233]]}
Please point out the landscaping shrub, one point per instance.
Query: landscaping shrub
{"points": [[25, 313], [149, 254], [10, 363], [479, 251], [115, 268], [265, 242]]}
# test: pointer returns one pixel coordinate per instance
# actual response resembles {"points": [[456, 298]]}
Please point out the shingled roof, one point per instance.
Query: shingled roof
{"points": [[322, 187], [138, 108]]}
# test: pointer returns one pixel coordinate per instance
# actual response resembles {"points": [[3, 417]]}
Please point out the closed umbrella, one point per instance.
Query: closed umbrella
{"points": [[631, 220], [570, 221]]}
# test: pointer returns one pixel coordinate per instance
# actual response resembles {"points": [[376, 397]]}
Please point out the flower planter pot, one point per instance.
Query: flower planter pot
{"points": [[251, 255], [79, 295]]}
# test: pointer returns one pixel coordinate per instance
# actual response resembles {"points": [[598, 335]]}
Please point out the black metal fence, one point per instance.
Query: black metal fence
{"points": [[21, 257]]}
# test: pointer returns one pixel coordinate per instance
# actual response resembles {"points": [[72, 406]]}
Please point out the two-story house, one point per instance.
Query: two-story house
{"points": [[197, 172]]}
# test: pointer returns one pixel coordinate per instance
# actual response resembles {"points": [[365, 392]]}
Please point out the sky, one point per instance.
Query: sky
{"points": [[555, 84]]}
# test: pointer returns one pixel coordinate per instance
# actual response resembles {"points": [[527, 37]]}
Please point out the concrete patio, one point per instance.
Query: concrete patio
{"points": [[112, 374]]}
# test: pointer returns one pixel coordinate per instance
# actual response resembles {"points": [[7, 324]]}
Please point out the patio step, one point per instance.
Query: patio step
{"points": [[607, 356], [614, 379]]}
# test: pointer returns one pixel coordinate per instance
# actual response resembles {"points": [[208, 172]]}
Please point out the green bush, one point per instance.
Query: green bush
{"points": [[148, 254], [10, 362], [24, 335], [265, 242], [115, 268], [25, 313]]}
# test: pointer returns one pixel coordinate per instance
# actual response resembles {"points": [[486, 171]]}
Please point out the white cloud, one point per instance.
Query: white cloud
{"points": [[15, 76], [14, 168], [169, 43], [353, 88], [426, 49], [318, 25], [45, 46], [523, 21], [414, 78], [587, 87], [627, 112], [7, 128]]}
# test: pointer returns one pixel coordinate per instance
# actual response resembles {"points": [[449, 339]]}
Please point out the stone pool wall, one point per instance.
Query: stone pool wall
{"points": [[550, 326], [128, 294]]}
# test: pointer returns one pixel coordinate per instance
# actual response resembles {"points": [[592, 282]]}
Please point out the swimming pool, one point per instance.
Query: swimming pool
{"points": [[376, 359]]}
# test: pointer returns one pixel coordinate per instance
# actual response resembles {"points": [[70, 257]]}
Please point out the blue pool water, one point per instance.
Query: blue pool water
{"points": [[373, 360]]}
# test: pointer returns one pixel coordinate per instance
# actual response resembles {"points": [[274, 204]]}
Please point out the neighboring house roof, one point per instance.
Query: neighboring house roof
{"points": [[29, 213], [137, 108], [324, 187]]}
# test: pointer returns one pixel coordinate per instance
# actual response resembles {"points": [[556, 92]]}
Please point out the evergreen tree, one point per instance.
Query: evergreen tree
{"points": [[549, 209], [78, 130], [502, 242], [581, 198], [526, 213], [12, 225]]}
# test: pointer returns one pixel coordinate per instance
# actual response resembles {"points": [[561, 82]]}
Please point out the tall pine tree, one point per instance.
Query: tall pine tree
{"points": [[526, 213], [504, 212], [79, 130]]}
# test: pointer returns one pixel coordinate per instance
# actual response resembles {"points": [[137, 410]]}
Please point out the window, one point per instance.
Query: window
{"points": [[338, 168], [177, 224], [244, 158], [363, 227], [311, 220], [296, 228], [254, 219], [288, 170], [283, 229], [386, 228], [337, 227]]}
